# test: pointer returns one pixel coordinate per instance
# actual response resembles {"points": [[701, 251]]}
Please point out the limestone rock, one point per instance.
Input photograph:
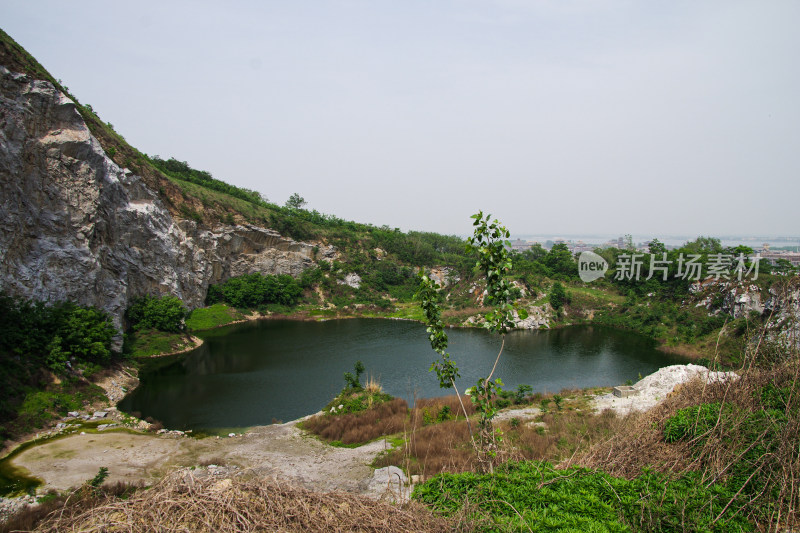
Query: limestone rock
{"points": [[538, 318], [75, 226], [444, 276], [388, 479]]}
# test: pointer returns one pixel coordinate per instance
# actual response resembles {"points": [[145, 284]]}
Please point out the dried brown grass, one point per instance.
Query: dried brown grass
{"points": [[384, 419], [751, 435], [564, 434], [446, 446], [28, 518], [429, 450], [354, 428], [639, 441], [183, 502], [372, 385], [434, 406]]}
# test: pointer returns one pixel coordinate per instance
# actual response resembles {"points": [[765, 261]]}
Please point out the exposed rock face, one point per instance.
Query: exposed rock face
{"points": [[784, 308], [444, 276], [736, 299], [538, 318], [780, 303], [74, 225]]}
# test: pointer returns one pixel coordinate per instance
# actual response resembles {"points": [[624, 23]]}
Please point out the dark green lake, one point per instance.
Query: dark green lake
{"points": [[251, 374]]}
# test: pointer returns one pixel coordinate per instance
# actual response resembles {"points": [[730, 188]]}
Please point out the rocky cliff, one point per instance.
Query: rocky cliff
{"points": [[76, 226], [779, 304]]}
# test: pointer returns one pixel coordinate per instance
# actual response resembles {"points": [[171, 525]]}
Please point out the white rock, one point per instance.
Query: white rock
{"points": [[654, 388], [388, 478], [351, 280]]}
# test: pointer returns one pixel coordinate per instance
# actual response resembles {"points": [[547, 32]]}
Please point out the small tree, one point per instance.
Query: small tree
{"points": [[558, 296], [295, 201], [490, 242], [354, 381]]}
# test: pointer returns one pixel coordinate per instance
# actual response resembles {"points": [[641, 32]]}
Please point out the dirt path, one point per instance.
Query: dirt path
{"points": [[279, 451]]}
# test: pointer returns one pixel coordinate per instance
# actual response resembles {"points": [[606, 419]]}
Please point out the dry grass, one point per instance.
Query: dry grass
{"points": [[372, 385], [446, 446], [429, 450], [384, 419], [183, 502], [354, 428], [562, 435], [751, 435], [639, 442], [434, 407], [29, 517]]}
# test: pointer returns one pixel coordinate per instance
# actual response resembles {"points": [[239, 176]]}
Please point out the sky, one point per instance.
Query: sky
{"points": [[555, 116]]}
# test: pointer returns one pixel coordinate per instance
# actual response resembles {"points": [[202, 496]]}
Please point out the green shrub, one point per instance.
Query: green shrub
{"points": [[535, 496], [522, 392], [749, 438], [558, 296], [52, 335], [39, 407], [164, 314], [353, 381], [253, 290], [691, 422]]}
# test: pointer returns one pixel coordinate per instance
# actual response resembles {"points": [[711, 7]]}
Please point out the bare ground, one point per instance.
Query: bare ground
{"points": [[282, 452]]}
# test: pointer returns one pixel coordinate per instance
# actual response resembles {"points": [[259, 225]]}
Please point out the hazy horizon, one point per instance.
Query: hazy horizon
{"points": [[677, 118]]}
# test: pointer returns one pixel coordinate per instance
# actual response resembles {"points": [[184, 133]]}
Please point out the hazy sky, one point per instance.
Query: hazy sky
{"points": [[664, 117]]}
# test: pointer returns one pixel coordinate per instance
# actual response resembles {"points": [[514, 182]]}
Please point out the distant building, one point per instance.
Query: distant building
{"points": [[773, 257], [520, 245], [579, 247]]}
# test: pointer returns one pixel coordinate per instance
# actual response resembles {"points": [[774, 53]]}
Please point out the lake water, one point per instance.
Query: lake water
{"points": [[254, 373]]}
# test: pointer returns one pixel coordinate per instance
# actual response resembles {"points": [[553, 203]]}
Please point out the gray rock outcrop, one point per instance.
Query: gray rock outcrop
{"points": [[75, 226]]}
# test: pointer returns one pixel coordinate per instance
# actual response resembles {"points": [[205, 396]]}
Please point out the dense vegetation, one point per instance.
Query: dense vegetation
{"points": [[164, 314], [256, 290], [38, 341], [62, 336]]}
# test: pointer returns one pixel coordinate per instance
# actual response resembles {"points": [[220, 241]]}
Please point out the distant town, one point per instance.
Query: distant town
{"points": [[772, 250]]}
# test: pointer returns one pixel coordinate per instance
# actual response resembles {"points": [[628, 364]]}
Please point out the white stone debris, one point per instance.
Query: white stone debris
{"points": [[654, 388], [391, 482], [351, 280]]}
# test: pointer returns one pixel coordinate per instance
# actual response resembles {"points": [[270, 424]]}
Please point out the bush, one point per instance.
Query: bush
{"points": [[164, 314], [558, 296], [690, 422], [253, 290], [51, 335]]}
